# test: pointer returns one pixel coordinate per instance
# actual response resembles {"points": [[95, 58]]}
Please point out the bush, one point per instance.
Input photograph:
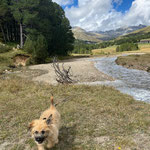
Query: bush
{"points": [[4, 48], [37, 47], [127, 47]]}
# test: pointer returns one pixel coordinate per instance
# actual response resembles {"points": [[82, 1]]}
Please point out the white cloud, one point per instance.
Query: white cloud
{"points": [[139, 13], [63, 2], [100, 15]]}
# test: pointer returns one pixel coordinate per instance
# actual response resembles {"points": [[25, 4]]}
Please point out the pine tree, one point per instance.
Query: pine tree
{"points": [[23, 12], [63, 39], [36, 21], [6, 21], [37, 46]]}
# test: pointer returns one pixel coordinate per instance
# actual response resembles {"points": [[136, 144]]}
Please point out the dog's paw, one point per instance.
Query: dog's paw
{"points": [[57, 141]]}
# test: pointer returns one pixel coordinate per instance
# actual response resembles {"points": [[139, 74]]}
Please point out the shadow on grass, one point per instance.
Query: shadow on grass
{"points": [[66, 138]]}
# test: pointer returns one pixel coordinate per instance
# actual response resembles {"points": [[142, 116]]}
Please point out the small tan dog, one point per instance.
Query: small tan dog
{"points": [[45, 130]]}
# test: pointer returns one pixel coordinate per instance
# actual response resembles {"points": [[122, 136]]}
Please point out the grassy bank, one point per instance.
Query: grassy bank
{"points": [[141, 62], [6, 59], [93, 118]]}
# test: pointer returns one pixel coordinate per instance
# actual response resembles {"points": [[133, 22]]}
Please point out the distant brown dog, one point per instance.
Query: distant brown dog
{"points": [[45, 130]]}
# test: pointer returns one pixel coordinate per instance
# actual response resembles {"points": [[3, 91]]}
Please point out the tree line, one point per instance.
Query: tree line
{"points": [[131, 39], [81, 47], [127, 47], [40, 26]]}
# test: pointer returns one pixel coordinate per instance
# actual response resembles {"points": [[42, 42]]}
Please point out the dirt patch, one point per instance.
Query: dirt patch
{"points": [[20, 60], [101, 140], [140, 62], [141, 141]]}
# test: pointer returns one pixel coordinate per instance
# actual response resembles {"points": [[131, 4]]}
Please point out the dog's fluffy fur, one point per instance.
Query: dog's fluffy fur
{"points": [[45, 130]]}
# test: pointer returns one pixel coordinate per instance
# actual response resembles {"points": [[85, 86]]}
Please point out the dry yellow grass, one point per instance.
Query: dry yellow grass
{"points": [[145, 48], [105, 51], [93, 118]]}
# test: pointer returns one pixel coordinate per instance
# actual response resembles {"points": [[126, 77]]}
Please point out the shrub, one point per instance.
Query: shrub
{"points": [[127, 47], [37, 47], [4, 48]]}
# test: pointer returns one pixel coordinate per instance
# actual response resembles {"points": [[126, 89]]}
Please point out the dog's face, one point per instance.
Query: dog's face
{"points": [[40, 130]]}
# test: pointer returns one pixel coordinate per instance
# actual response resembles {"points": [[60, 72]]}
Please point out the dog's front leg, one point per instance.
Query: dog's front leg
{"points": [[50, 144], [40, 147]]}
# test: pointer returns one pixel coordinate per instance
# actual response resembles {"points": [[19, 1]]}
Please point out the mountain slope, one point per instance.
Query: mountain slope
{"points": [[141, 31], [83, 35]]}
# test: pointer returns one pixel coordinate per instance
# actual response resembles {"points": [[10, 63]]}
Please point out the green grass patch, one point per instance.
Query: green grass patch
{"points": [[5, 48], [93, 118]]}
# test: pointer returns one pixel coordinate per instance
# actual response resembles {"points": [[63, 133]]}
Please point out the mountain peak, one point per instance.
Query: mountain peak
{"points": [[78, 29]]}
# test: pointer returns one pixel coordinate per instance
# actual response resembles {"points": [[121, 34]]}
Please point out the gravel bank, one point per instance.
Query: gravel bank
{"points": [[83, 70]]}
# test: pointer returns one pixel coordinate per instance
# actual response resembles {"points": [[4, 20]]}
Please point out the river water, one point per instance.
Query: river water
{"points": [[130, 81]]}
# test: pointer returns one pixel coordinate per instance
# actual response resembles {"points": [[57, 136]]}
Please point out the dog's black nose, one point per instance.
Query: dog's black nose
{"points": [[39, 139]]}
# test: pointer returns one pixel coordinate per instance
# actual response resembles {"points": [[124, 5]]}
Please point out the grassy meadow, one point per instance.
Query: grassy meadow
{"points": [[93, 117], [143, 48]]}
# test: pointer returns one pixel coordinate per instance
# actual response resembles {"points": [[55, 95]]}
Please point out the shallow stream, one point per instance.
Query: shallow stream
{"points": [[130, 81]]}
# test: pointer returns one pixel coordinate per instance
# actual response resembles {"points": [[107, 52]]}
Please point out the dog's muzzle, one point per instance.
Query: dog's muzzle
{"points": [[39, 139]]}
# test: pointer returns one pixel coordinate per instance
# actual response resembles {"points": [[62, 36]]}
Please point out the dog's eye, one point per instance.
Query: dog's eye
{"points": [[42, 132], [36, 132], [44, 118]]}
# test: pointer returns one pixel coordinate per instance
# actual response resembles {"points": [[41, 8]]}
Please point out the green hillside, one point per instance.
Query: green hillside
{"points": [[141, 31], [134, 37]]}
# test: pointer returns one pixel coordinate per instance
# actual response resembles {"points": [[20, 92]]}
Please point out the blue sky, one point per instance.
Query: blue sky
{"points": [[102, 15], [124, 6], [75, 4]]}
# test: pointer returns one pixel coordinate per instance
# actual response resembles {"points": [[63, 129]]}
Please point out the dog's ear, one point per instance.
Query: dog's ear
{"points": [[31, 125], [48, 121]]}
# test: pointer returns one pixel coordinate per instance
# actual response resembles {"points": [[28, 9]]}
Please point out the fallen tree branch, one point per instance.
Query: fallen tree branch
{"points": [[63, 75]]}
